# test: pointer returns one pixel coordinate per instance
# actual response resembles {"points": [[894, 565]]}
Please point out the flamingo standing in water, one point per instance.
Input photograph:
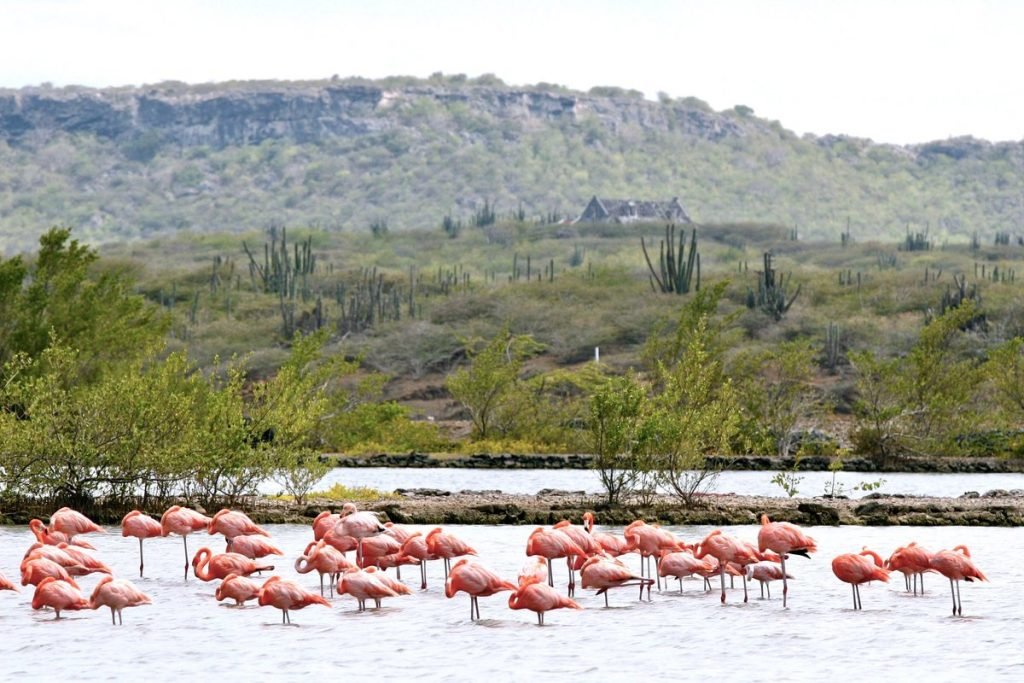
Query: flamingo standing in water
{"points": [[208, 566], [50, 537], [785, 539], [36, 570], [253, 547], [587, 543], [323, 523], [913, 561], [117, 594], [682, 563], [325, 559], [233, 523], [84, 559], [358, 525], [415, 547], [447, 547], [536, 595], [604, 573], [58, 595], [728, 549], [956, 565], [140, 525], [183, 521], [856, 568], [552, 544], [287, 595], [237, 588], [649, 540], [364, 585], [475, 580], [764, 573], [71, 522]]}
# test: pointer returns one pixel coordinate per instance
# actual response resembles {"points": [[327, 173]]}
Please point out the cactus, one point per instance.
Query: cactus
{"points": [[675, 275], [917, 241], [832, 346], [771, 292]]}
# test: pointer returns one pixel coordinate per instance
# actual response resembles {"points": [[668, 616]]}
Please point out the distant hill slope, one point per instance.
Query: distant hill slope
{"points": [[130, 162]]}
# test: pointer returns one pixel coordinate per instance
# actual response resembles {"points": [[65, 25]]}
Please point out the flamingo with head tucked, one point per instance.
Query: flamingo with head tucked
{"points": [[475, 580], [604, 573], [728, 549], [785, 539], [50, 537], [287, 595], [553, 544], [71, 522], [913, 561], [415, 547], [253, 547], [233, 523], [237, 588], [447, 547], [681, 564], [7, 585], [58, 594], [117, 594], [183, 521], [956, 565], [208, 566], [140, 525], [536, 595], [324, 559], [358, 525], [364, 585], [856, 568]]}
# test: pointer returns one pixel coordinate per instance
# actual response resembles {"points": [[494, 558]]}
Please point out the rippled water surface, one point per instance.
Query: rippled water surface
{"points": [[186, 635], [746, 483]]}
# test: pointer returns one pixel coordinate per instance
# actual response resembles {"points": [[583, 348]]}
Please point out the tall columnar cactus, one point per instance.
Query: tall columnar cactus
{"points": [[832, 346], [674, 275], [771, 291]]}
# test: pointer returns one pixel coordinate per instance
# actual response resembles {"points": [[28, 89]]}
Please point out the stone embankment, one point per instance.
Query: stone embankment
{"points": [[814, 463]]}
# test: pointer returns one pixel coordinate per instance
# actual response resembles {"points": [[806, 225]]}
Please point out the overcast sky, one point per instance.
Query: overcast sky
{"points": [[892, 70]]}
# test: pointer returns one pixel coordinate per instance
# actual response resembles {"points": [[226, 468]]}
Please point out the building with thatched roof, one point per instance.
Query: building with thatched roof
{"points": [[632, 210]]}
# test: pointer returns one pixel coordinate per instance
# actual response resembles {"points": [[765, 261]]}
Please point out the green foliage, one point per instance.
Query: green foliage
{"points": [[918, 404], [776, 392], [673, 275], [619, 431], [65, 292], [489, 388]]}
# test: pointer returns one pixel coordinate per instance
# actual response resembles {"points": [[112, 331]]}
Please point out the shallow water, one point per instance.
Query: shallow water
{"points": [[186, 634], [745, 483]]}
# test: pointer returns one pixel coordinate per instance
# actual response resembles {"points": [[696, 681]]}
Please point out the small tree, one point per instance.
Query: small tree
{"points": [[619, 430], [487, 384]]}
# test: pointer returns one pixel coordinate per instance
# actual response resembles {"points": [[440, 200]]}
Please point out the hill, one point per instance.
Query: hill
{"points": [[341, 155]]}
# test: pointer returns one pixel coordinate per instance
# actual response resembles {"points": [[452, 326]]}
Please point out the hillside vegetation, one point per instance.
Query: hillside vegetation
{"points": [[342, 155]]}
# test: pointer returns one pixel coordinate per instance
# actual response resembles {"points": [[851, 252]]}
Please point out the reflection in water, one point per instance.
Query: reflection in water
{"points": [[186, 634], [745, 483]]}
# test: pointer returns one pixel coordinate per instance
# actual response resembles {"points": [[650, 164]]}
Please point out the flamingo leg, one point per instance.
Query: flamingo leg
{"points": [[321, 585], [423, 575], [960, 602], [184, 540], [551, 575], [113, 619], [657, 570], [915, 584], [921, 574], [540, 618], [721, 574], [785, 586], [853, 587], [906, 581], [606, 596], [769, 587], [398, 572], [140, 558], [744, 582], [572, 575], [680, 585]]}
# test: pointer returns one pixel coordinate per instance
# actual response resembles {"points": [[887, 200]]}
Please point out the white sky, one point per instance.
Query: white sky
{"points": [[892, 70]]}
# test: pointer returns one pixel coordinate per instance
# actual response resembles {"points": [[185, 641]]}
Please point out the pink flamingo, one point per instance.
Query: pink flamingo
{"points": [[233, 523], [535, 595], [785, 539], [956, 565], [237, 588], [324, 559], [364, 585], [71, 522], [7, 585], [764, 573], [415, 547], [183, 521], [376, 547], [37, 570], [727, 549], [855, 569], [208, 566], [535, 565], [287, 595], [681, 564], [475, 580], [604, 573], [399, 532], [358, 525], [58, 594], [50, 537], [253, 547], [447, 547], [913, 561], [117, 594], [587, 543], [394, 584], [323, 523], [140, 525], [553, 544], [85, 559], [649, 540]]}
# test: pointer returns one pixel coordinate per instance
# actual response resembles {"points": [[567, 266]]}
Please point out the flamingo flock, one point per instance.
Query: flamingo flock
{"points": [[59, 555]]}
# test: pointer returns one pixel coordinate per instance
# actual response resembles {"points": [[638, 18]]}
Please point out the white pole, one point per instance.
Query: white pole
{"points": [[597, 354]]}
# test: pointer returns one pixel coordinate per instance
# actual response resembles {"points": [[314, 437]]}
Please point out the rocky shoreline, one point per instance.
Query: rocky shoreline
{"points": [[420, 506], [812, 463]]}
